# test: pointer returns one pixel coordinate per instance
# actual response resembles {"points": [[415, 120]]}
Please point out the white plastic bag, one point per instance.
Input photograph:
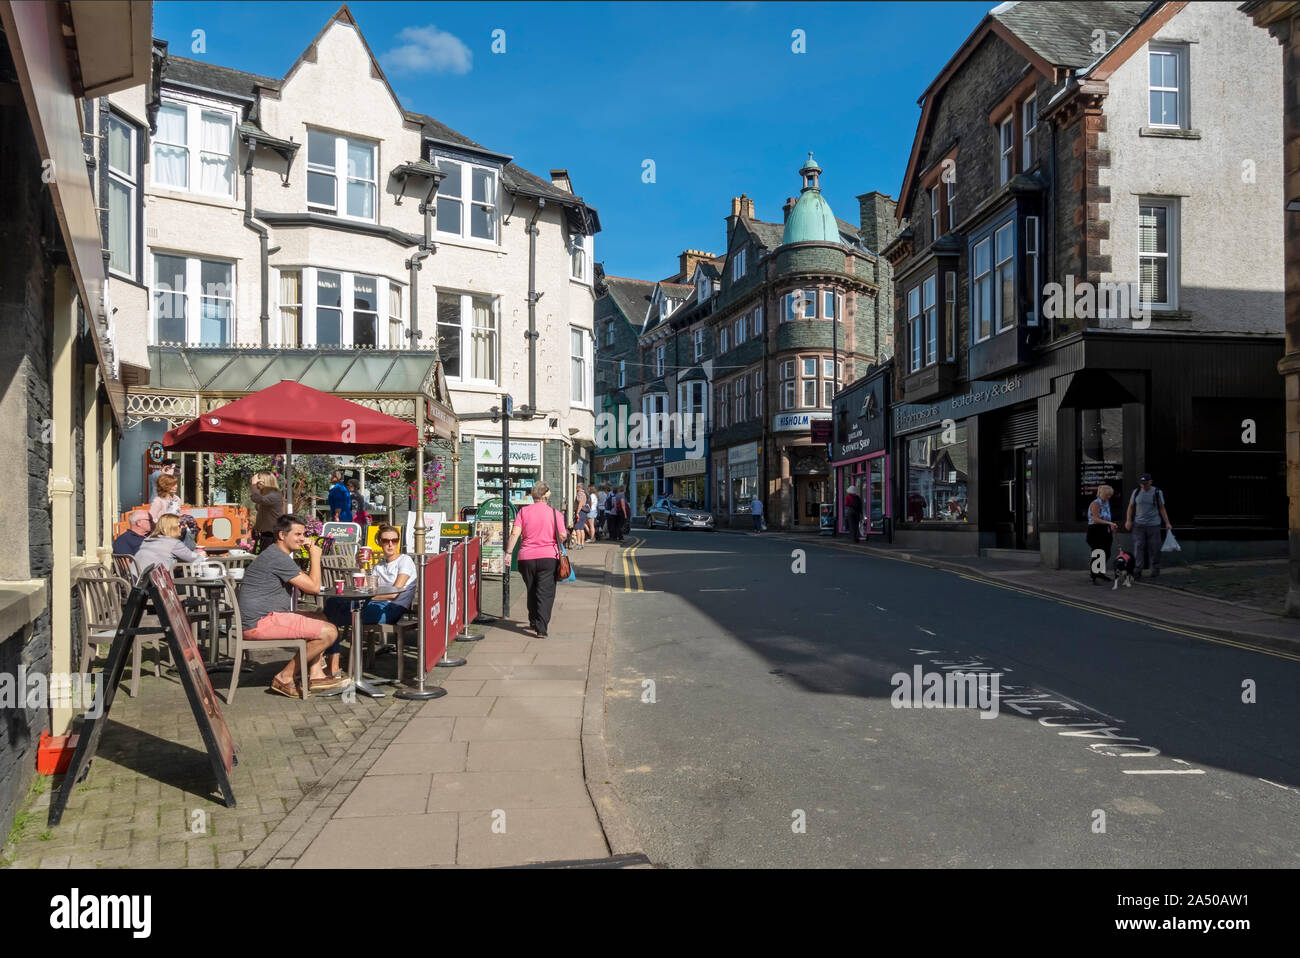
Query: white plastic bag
{"points": [[1171, 544]]}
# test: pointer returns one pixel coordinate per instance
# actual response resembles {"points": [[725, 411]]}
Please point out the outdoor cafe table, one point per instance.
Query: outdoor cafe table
{"points": [[358, 601], [215, 587]]}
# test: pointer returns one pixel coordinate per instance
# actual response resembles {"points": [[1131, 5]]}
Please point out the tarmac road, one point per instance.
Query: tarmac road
{"points": [[771, 740]]}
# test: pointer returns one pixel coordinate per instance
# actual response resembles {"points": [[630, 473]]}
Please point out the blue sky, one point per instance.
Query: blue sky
{"points": [[713, 93]]}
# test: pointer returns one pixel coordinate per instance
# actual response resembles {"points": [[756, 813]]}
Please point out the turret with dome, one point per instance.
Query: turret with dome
{"points": [[811, 220]]}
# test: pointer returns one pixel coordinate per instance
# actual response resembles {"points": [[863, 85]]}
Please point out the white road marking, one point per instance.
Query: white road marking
{"points": [[882, 608], [722, 590], [1285, 788], [926, 631], [1163, 771]]}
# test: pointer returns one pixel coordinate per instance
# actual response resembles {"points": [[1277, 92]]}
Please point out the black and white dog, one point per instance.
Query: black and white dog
{"points": [[1123, 570]]}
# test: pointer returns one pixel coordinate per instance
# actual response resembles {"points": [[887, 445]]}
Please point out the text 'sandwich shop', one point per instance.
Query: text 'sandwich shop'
{"points": [[860, 452]]}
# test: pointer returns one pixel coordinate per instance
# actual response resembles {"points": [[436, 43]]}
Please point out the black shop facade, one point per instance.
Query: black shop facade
{"points": [[1011, 463]]}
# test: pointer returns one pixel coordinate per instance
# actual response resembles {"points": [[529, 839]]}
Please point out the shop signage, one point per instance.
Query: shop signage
{"points": [[796, 421], [439, 420], [523, 452], [747, 452], [614, 463], [1093, 474], [821, 430], [646, 460], [684, 467], [980, 397], [861, 418]]}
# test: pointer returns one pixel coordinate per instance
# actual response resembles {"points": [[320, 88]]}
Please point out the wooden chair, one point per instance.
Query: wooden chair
{"points": [[236, 633], [125, 566], [102, 597]]}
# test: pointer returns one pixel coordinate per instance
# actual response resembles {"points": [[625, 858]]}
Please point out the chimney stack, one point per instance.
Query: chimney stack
{"points": [[687, 261], [876, 215], [746, 206], [560, 180], [789, 205], [735, 206]]}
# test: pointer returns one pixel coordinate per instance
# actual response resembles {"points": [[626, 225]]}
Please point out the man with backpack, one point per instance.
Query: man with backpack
{"points": [[1146, 510]]}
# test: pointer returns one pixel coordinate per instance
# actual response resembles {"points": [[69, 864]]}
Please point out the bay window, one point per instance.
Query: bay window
{"points": [[341, 167], [950, 315], [723, 398], [291, 307], [1004, 280], [329, 308], [741, 387], [194, 148], [914, 333], [1028, 124], [335, 309], [982, 291], [788, 384], [931, 321], [1007, 148], [123, 194], [395, 325], [934, 212], [1032, 268], [808, 398], [578, 256]]}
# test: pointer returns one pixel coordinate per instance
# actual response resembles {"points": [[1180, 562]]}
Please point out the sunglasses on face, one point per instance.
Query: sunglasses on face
{"points": [[390, 541]]}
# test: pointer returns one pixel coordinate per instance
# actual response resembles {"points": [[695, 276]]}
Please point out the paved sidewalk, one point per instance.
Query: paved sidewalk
{"points": [[1145, 600], [492, 773]]}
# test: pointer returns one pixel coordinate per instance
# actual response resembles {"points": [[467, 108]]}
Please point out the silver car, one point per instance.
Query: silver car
{"points": [[669, 513]]}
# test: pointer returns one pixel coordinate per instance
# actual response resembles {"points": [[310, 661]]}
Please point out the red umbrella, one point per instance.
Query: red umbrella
{"points": [[292, 417]]}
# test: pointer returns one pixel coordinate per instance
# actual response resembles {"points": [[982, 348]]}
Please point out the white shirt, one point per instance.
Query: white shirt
{"points": [[756, 507], [386, 574], [593, 504]]}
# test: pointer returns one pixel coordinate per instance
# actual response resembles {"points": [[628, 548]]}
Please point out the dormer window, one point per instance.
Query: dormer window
{"points": [[738, 266], [467, 198], [341, 176]]}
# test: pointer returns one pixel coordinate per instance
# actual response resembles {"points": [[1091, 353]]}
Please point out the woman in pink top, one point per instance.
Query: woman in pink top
{"points": [[542, 529]]}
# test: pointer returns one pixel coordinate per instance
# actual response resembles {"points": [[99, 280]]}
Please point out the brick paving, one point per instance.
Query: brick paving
{"points": [[150, 799]]}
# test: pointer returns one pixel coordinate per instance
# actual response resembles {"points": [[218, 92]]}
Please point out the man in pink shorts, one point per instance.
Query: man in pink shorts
{"points": [[265, 607]]}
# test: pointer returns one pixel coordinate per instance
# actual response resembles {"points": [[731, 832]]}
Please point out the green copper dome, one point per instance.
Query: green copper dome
{"points": [[811, 220]]}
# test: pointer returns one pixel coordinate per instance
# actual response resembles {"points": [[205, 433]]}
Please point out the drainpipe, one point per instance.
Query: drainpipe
{"points": [[1049, 219], [263, 242], [533, 297], [413, 265]]}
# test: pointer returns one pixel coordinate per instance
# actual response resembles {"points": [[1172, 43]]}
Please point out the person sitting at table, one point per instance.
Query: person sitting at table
{"points": [[265, 610], [164, 545], [129, 542], [394, 573]]}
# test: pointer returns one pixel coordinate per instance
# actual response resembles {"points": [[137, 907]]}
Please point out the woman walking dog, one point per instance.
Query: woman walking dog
{"points": [[1101, 530]]}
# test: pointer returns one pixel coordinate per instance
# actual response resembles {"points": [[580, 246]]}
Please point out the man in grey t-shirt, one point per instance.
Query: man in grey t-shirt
{"points": [[1146, 509], [265, 609]]}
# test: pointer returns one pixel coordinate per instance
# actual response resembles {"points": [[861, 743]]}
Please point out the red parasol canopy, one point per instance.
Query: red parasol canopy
{"points": [[315, 422]]}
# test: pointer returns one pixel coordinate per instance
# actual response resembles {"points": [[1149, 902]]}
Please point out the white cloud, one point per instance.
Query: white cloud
{"points": [[429, 50]]}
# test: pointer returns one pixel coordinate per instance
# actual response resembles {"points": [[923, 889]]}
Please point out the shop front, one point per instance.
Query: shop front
{"points": [[860, 452], [687, 479], [736, 478], [614, 471], [804, 468], [649, 467], [489, 473]]}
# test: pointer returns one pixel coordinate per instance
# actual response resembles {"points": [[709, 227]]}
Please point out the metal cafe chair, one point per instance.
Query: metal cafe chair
{"points": [[102, 597], [194, 599], [236, 634]]}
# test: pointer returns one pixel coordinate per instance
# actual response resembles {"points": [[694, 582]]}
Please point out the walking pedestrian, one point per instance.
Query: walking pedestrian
{"points": [[580, 513], [1146, 509], [542, 531], [1101, 531], [756, 510], [601, 515], [853, 511]]}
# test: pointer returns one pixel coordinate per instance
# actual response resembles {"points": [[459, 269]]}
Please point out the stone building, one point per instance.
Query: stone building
{"points": [[1075, 295], [796, 317], [62, 373]]}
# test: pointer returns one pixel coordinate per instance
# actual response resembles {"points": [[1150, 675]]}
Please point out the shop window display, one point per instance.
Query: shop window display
{"points": [[937, 474]]}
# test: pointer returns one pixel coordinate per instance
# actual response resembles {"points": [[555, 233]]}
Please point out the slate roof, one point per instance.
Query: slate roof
{"points": [[709, 270], [209, 76], [769, 234], [631, 296], [1061, 33]]}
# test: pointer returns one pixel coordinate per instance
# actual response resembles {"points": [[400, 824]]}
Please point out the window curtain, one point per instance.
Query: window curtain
{"points": [[170, 156], [484, 340], [217, 168], [290, 308], [361, 175]]}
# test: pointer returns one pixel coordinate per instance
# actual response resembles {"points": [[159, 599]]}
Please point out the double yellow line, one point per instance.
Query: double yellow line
{"points": [[629, 556]]}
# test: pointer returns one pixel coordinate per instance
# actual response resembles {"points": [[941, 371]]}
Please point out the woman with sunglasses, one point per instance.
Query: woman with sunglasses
{"points": [[395, 576]]}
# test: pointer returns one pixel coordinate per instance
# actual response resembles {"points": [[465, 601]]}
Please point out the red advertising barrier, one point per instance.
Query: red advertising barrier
{"points": [[456, 590], [434, 608], [474, 556]]}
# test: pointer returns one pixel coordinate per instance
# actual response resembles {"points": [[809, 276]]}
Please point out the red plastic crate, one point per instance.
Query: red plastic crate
{"points": [[54, 753]]}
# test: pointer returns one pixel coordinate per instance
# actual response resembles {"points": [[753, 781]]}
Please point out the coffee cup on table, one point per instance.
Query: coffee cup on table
{"points": [[358, 580]]}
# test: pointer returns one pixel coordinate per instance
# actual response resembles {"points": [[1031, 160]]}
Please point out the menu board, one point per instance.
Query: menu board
{"points": [[156, 586], [492, 522]]}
